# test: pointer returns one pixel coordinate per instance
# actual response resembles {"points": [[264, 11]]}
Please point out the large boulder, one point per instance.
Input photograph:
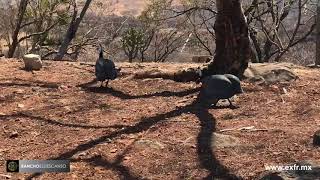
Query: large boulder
{"points": [[32, 62], [270, 73]]}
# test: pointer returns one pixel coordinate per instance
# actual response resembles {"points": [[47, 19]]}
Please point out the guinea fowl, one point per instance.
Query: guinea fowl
{"points": [[105, 69], [216, 87]]}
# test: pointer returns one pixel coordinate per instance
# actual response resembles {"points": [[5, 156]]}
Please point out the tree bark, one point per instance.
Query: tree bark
{"points": [[72, 30], [232, 40], [317, 63], [15, 41]]}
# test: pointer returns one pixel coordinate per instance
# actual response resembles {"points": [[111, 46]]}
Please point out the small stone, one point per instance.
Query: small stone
{"points": [[14, 134], [35, 89], [20, 106], [113, 150], [63, 87], [19, 91], [272, 175], [5, 176], [67, 109], [82, 154], [223, 141], [150, 144]]}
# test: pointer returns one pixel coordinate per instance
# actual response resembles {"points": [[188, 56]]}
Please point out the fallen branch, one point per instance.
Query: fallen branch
{"points": [[247, 128]]}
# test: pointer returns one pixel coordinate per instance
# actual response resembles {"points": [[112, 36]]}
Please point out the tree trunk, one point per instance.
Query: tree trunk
{"points": [[22, 9], [232, 40], [72, 30], [256, 56], [318, 35]]}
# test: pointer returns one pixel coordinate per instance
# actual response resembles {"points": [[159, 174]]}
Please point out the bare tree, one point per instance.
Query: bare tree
{"points": [[34, 20], [8, 12], [203, 29], [166, 42], [73, 27], [201, 16], [148, 37], [21, 12], [45, 13], [281, 25]]}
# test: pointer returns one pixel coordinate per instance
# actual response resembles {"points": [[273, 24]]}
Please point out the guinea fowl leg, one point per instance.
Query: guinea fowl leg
{"points": [[101, 84], [107, 83], [230, 102]]}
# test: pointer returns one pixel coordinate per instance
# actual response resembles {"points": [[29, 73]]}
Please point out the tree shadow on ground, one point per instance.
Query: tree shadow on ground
{"points": [[204, 141], [26, 83], [122, 95], [116, 165], [59, 123]]}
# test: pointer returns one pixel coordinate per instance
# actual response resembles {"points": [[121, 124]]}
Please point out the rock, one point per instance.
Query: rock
{"points": [[34, 89], [67, 109], [316, 138], [273, 176], [14, 134], [113, 151], [218, 140], [81, 154], [5, 176], [270, 73], [19, 91], [222, 140], [313, 66], [20, 106], [201, 59], [301, 170], [63, 87], [32, 62], [149, 143]]}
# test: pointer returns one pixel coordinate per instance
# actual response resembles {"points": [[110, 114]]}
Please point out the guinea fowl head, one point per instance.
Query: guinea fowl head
{"points": [[235, 83], [199, 74], [100, 52]]}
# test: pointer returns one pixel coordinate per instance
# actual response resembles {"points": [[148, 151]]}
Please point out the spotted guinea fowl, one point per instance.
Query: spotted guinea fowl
{"points": [[216, 87], [105, 69]]}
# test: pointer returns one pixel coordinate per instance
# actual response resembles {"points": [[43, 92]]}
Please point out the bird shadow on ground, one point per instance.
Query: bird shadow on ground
{"points": [[205, 141]]}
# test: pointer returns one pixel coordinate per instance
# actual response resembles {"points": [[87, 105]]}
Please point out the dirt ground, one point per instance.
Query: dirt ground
{"points": [[150, 128]]}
